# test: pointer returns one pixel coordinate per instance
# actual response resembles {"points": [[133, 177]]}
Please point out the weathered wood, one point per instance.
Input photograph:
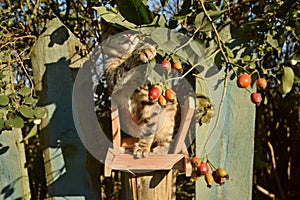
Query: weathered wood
{"points": [[153, 185], [188, 113], [159, 183], [179, 160], [152, 162], [14, 180], [55, 51], [234, 142]]}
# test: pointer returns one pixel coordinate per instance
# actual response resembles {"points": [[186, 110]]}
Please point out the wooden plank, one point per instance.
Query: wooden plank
{"points": [[116, 129], [151, 162], [108, 163], [65, 156], [234, 144], [14, 180], [188, 113]]}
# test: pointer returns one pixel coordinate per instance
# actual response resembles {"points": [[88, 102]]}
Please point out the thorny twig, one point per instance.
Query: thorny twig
{"points": [[220, 108], [219, 40], [25, 71], [220, 45], [11, 74]]}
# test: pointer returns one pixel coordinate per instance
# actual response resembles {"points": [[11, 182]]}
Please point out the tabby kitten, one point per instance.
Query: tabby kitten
{"points": [[155, 124]]}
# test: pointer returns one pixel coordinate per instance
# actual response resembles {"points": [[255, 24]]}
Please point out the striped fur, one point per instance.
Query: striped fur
{"points": [[155, 136]]}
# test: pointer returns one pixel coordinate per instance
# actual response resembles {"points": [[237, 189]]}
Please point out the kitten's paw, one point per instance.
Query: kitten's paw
{"points": [[161, 149], [122, 150], [139, 152], [146, 53]]}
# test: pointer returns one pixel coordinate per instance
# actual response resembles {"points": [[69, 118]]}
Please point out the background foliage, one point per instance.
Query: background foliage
{"points": [[260, 38]]}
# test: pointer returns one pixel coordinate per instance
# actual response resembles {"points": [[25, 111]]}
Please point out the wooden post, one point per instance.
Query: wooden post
{"points": [[155, 185], [65, 157]]}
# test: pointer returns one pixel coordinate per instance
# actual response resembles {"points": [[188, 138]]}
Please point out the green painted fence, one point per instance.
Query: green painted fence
{"points": [[234, 144], [14, 180], [231, 145], [53, 56]]}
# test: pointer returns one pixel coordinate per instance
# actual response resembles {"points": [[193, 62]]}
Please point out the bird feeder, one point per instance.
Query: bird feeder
{"points": [[178, 158]]}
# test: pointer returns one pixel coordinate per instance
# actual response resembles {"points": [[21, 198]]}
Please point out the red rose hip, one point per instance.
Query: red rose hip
{"points": [[166, 64], [244, 81], [195, 161], [178, 67], [170, 95], [261, 84], [256, 98], [203, 168], [162, 100], [154, 93], [209, 179], [218, 179]]}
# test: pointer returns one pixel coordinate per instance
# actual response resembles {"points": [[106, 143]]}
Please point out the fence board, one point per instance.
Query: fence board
{"points": [[65, 157], [234, 148], [14, 181]]}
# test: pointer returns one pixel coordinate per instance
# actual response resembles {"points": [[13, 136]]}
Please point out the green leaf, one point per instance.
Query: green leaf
{"points": [[2, 76], [135, 11], [169, 45], [215, 14], [12, 95], [227, 33], [159, 20], [163, 35], [273, 42], [4, 100], [16, 122], [32, 133], [26, 111], [229, 52], [202, 23], [1, 124], [39, 112], [247, 58], [211, 5], [113, 17], [105, 13], [287, 80], [24, 91], [198, 48], [30, 100], [252, 65]]}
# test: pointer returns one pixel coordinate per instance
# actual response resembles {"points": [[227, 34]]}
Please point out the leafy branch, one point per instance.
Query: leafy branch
{"points": [[219, 40]]}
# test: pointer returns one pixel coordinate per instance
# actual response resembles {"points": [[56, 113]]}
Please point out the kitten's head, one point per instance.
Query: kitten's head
{"points": [[120, 44]]}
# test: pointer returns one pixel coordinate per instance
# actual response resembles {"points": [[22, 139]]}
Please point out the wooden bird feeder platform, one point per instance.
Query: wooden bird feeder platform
{"points": [[178, 159]]}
